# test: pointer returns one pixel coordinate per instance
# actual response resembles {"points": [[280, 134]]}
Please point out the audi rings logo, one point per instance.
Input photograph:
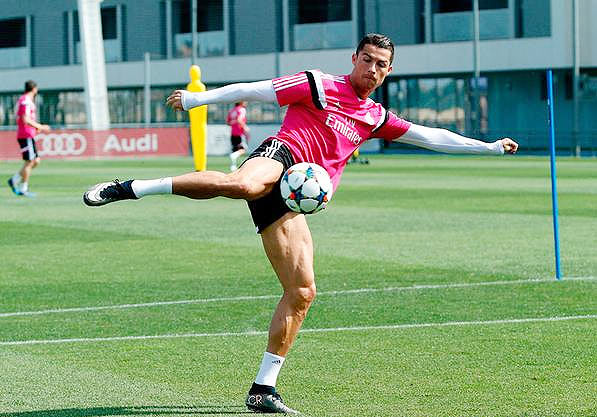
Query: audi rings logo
{"points": [[61, 144]]}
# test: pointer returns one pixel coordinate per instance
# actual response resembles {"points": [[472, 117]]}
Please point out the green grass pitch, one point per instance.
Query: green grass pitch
{"points": [[454, 312]]}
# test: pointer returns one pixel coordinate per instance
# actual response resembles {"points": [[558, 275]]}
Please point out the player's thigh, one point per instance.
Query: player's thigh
{"points": [[289, 246], [259, 173]]}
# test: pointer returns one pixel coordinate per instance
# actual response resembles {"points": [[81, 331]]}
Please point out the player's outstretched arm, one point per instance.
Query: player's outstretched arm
{"points": [[257, 91], [442, 140]]}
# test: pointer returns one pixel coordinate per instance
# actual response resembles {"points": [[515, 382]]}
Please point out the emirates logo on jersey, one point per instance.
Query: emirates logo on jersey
{"points": [[346, 129]]}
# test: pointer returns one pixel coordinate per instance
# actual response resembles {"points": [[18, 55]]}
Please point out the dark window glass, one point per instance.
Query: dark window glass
{"points": [[317, 11], [13, 33], [210, 15], [181, 10], [109, 27], [109, 24], [449, 6], [493, 4]]}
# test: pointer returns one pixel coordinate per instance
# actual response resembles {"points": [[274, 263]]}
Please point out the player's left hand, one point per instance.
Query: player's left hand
{"points": [[174, 100], [509, 145]]}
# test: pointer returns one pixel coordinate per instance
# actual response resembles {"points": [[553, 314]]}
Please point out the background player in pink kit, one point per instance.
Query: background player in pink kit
{"points": [[27, 128], [328, 117], [237, 120]]}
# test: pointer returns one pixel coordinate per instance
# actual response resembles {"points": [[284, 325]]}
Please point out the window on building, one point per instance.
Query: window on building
{"points": [[451, 6], [320, 24], [14, 51], [452, 20], [310, 11], [211, 38], [7, 108], [431, 101], [533, 18], [111, 35], [109, 23]]}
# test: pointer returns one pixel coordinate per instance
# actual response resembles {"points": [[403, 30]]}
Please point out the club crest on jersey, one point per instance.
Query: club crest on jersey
{"points": [[345, 128]]}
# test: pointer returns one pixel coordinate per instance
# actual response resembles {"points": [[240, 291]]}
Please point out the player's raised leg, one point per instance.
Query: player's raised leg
{"points": [[289, 247], [254, 179]]}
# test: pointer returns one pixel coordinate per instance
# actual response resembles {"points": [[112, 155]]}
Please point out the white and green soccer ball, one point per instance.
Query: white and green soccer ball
{"points": [[306, 188]]}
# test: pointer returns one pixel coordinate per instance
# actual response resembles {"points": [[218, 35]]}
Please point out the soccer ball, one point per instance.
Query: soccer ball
{"points": [[306, 188]]}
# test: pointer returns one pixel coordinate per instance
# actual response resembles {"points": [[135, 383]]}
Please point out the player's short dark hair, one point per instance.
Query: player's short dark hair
{"points": [[30, 85], [379, 40]]}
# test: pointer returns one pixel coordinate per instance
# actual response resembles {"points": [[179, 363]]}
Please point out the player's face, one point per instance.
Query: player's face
{"points": [[371, 66]]}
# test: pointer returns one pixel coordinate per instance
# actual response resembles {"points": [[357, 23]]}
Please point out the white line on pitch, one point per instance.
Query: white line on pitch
{"points": [[322, 330], [276, 296]]}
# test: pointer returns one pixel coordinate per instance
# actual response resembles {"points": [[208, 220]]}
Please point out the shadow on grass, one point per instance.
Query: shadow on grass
{"points": [[134, 411]]}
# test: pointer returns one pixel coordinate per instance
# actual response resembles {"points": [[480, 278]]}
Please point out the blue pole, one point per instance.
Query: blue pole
{"points": [[552, 159]]}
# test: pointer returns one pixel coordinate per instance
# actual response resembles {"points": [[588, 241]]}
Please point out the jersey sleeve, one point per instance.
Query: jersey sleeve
{"points": [[292, 89], [24, 108], [392, 127]]}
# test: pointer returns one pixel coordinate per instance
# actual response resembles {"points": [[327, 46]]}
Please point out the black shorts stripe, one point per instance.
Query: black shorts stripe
{"points": [[28, 149]]}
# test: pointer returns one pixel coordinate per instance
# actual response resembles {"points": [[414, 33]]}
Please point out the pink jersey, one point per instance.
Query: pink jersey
{"points": [[25, 106], [237, 118], [326, 121]]}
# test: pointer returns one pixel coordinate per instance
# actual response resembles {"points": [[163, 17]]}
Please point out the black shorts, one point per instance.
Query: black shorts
{"points": [[270, 207], [28, 149], [237, 143]]}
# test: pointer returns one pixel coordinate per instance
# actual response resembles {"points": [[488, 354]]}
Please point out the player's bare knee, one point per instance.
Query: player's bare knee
{"points": [[303, 297]]}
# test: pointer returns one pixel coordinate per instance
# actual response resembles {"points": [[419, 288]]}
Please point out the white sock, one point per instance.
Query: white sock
{"points": [[148, 187], [24, 187], [269, 370], [16, 178], [234, 156]]}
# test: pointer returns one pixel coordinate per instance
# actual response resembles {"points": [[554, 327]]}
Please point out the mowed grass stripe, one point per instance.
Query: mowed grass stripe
{"points": [[305, 330], [276, 296], [341, 310]]}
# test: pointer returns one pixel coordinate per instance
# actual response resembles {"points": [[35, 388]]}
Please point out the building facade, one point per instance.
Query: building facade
{"points": [[433, 81]]}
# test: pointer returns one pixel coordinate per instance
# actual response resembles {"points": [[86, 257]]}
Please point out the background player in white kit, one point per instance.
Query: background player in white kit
{"points": [[328, 117]]}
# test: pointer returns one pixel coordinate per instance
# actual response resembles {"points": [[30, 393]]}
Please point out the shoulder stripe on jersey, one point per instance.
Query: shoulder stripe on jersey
{"points": [[289, 79], [290, 85], [382, 120], [286, 82], [317, 92]]}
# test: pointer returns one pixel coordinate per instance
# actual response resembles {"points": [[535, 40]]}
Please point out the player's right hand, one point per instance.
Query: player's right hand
{"points": [[509, 145], [44, 128], [174, 100]]}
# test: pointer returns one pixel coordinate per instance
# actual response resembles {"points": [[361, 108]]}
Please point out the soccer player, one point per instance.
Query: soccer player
{"points": [[328, 117], [237, 120], [27, 128]]}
